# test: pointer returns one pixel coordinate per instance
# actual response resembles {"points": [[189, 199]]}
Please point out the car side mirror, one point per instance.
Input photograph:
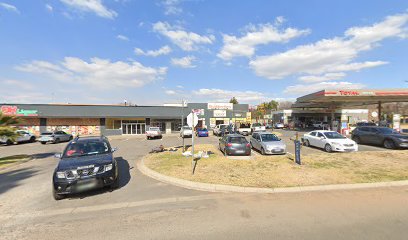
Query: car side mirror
{"points": [[114, 149], [58, 155], [322, 138]]}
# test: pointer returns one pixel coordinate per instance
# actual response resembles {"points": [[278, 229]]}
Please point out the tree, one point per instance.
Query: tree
{"points": [[233, 100], [6, 126]]}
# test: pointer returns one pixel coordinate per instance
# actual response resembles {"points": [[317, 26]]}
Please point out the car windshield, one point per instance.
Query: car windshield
{"points": [[83, 148], [387, 131], [333, 135], [154, 129], [203, 130], [187, 128], [245, 126], [256, 125], [239, 140], [269, 138]]}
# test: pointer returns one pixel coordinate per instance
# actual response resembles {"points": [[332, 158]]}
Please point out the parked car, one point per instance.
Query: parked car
{"points": [[267, 143], [361, 124], [55, 137], [321, 125], [23, 136], [186, 131], [202, 132], [330, 141], [269, 126], [382, 136], [220, 128], [244, 129], [153, 132], [279, 125], [234, 144], [256, 127], [86, 163]]}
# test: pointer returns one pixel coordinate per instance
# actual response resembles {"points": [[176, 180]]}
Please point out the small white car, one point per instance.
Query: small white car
{"points": [[153, 132], [186, 131], [279, 125], [330, 141], [217, 131], [257, 127], [23, 136]]}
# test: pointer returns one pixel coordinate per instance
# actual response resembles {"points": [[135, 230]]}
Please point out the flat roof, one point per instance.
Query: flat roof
{"points": [[351, 98]]}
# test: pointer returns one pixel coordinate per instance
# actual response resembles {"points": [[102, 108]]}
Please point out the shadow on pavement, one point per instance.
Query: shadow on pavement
{"points": [[124, 179], [11, 179]]}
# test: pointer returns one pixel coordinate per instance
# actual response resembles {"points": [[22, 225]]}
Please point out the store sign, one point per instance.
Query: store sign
{"points": [[199, 112], [248, 116], [220, 106], [14, 110], [220, 113]]}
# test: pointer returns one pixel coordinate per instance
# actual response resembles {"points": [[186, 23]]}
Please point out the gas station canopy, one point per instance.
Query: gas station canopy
{"points": [[333, 99]]}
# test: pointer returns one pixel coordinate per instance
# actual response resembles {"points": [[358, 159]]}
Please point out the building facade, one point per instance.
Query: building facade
{"points": [[120, 120]]}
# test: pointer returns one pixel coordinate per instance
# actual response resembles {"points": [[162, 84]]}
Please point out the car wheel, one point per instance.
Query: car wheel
{"points": [[356, 139], [43, 143], [70, 138], [389, 144], [307, 143], [116, 183], [32, 139], [57, 140], [225, 152], [263, 151], [9, 142], [56, 196], [328, 148]]}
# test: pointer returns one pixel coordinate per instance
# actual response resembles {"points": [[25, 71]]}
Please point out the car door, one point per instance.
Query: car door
{"points": [[257, 144], [375, 136], [253, 140], [311, 137], [320, 140], [364, 134]]}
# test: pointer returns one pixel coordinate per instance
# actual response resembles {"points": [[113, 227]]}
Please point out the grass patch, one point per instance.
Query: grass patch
{"points": [[7, 161], [280, 171]]}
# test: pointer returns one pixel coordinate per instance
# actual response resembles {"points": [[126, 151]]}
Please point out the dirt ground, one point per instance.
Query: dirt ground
{"points": [[281, 171]]}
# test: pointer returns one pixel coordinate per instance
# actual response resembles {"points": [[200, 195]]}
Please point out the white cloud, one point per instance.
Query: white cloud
{"points": [[184, 62], [95, 6], [188, 41], [49, 7], [322, 78], [154, 53], [9, 7], [98, 73], [331, 55], [257, 35], [302, 89], [220, 95], [172, 7], [122, 37], [170, 92]]}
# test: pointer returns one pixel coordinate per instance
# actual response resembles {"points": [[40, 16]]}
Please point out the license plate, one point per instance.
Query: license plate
{"points": [[239, 151], [83, 186]]}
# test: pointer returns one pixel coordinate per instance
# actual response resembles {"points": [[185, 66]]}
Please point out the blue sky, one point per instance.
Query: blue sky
{"points": [[154, 52]]}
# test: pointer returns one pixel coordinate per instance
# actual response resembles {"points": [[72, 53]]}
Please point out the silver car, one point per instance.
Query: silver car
{"points": [[267, 143], [55, 137]]}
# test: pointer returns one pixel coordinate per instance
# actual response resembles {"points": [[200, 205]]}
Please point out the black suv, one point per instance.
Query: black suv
{"points": [[387, 137], [86, 163]]}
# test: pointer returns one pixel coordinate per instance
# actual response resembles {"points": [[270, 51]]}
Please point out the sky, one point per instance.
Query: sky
{"points": [[162, 51]]}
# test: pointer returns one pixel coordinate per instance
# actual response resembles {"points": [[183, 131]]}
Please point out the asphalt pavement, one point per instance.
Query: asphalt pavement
{"points": [[143, 208]]}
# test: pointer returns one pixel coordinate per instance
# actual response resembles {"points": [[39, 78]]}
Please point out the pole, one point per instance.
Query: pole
{"points": [[192, 146], [182, 121]]}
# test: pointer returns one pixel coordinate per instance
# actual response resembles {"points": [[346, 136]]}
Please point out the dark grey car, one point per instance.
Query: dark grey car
{"points": [[383, 136], [235, 144]]}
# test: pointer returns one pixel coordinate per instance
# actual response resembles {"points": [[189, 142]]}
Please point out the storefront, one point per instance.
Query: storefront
{"points": [[118, 120]]}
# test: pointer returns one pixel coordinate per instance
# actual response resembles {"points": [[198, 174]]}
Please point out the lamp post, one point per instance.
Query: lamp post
{"points": [[182, 121]]}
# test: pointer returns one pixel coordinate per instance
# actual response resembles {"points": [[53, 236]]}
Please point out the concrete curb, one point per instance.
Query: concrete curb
{"points": [[235, 189]]}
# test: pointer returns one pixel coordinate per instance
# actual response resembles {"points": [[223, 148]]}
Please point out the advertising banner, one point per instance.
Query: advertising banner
{"points": [[220, 113], [220, 106]]}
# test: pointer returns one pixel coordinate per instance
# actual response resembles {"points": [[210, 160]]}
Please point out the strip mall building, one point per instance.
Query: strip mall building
{"points": [[117, 120]]}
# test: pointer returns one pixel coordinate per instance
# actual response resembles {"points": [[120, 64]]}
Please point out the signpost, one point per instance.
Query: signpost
{"points": [[297, 152], [192, 121]]}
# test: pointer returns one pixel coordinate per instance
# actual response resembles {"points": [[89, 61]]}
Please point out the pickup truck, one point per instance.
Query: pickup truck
{"points": [[23, 136], [217, 131], [153, 132], [244, 129], [321, 125], [257, 127]]}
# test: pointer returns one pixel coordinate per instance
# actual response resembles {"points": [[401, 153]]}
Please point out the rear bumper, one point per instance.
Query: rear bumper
{"points": [[238, 152], [154, 135], [64, 186], [46, 140], [403, 144]]}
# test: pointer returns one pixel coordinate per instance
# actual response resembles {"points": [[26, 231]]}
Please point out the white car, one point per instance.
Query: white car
{"points": [[330, 141], [279, 125], [244, 129], [23, 136], [153, 132], [321, 125], [186, 131], [257, 127]]}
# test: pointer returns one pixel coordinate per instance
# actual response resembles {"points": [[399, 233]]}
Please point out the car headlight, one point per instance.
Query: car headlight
{"points": [[60, 174], [108, 167]]}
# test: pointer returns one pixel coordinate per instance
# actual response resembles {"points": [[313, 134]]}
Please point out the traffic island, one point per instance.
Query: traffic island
{"points": [[272, 172]]}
